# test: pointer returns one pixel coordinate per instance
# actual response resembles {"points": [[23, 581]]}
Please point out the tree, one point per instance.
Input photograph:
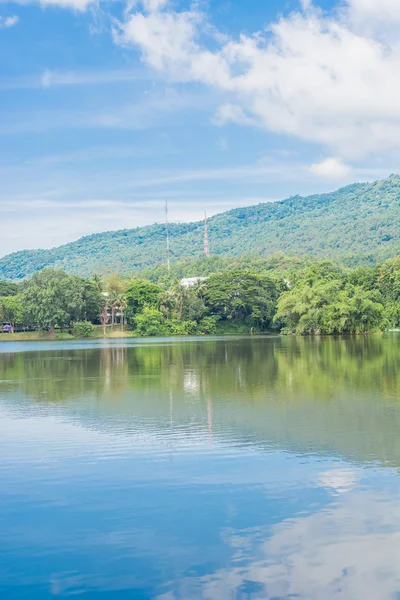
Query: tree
{"points": [[83, 329], [301, 310], [327, 307], [88, 300], [389, 279], [98, 282], [8, 289], [104, 318], [149, 322], [179, 294], [242, 296], [117, 301], [141, 294], [364, 313], [54, 299], [186, 302], [116, 288], [365, 277], [11, 310]]}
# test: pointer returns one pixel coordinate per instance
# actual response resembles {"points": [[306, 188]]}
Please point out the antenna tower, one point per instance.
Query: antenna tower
{"points": [[206, 245], [167, 233]]}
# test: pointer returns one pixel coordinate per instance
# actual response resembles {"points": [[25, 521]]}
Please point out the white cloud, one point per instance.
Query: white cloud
{"points": [[7, 22], [382, 10], [232, 113], [53, 78], [153, 5], [46, 78], [77, 5], [323, 79], [331, 168]]}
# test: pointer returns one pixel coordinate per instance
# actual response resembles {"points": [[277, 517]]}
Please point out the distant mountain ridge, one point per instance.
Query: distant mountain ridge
{"points": [[360, 220]]}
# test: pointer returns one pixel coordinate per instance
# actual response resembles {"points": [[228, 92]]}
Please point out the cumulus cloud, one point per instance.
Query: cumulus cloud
{"points": [[331, 168], [371, 9], [7, 22], [330, 80]]}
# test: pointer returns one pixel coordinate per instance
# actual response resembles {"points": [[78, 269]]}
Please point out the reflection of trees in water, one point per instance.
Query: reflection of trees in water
{"points": [[247, 369], [301, 393], [68, 375]]}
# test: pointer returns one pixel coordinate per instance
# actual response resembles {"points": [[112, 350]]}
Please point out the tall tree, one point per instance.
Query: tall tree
{"points": [[141, 294], [242, 296], [8, 289], [54, 299], [328, 307], [115, 288], [11, 310]]}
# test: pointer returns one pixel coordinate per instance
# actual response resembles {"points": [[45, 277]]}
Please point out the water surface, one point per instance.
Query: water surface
{"points": [[237, 468]]}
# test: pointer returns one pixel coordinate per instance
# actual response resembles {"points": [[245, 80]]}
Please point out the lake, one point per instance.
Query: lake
{"points": [[231, 468]]}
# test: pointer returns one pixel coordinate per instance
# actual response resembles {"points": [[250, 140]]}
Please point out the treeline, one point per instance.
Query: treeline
{"points": [[286, 294]]}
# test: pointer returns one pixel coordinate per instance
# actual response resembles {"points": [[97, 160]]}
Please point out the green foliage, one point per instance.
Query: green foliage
{"points": [[150, 322], [54, 299], [141, 294], [327, 307], [83, 328], [285, 265], [389, 279], [8, 289], [324, 270], [289, 295], [359, 223], [11, 310], [208, 325], [116, 297], [176, 327], [365, 277], [242, 295]]}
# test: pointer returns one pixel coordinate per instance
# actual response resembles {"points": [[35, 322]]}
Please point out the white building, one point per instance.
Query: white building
{"points": [[191, 281]]}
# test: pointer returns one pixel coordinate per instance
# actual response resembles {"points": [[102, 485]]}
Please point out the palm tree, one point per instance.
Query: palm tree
{"points": [[180, 294], [98, 282], [104, 317], [116, 295]]}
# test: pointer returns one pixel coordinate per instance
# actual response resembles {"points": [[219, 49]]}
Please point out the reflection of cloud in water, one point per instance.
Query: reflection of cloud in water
{"points": [[341, 480], [191, 382], [349, 551]]}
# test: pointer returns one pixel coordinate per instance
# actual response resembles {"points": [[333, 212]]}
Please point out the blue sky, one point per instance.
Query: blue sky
{"points": [[108, 109]]}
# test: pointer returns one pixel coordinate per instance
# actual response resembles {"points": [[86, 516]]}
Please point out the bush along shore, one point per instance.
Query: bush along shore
{"points": [[289, 295]]}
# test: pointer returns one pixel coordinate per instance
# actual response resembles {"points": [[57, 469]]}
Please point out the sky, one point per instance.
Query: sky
{"points": [[108, 109]]}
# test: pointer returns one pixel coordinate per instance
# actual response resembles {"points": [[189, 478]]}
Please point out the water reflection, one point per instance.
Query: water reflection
{"points": [[201, 469], [302, 394], [344, 552]]}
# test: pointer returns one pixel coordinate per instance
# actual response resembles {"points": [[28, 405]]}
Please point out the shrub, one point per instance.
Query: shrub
{"points": [[208, 325], [182, 327], [83, 328], [150, 322]]}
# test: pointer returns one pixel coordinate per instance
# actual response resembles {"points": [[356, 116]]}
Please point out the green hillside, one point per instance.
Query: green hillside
{"points": [[358, 223]]}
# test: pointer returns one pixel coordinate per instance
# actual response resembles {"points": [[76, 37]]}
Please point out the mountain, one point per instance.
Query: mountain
{"points": [[360, 222]]}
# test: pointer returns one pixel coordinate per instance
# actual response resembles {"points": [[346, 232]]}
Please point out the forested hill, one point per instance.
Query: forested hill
{"points": [[358, 222]]}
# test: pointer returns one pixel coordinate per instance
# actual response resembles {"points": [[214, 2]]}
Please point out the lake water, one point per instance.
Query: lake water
{"points": [[236, 468]]}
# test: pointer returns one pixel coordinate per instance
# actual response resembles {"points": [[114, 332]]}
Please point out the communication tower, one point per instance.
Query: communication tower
{"points": [[167, 234], [206, 245]]}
